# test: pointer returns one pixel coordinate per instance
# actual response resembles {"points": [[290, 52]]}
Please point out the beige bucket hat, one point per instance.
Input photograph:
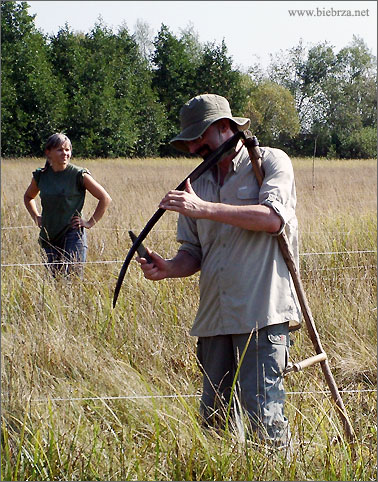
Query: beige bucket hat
{"points": [[199, 113]]}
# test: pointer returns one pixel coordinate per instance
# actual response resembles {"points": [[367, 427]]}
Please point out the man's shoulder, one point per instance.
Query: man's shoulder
{"points": [[273, 152]]}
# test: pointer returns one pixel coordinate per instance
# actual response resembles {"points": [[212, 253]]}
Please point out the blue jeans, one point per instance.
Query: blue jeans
{"points": [[260, 381], [68, 257]]}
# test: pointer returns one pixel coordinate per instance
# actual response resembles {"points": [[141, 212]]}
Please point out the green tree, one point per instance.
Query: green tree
{"points": [[272, 112], [335, 95], [351, 97], [303, 71], [33, 101], [183, 69], [215, 74], [361, 143], [113, 111], [193, 47], [173, 77]]}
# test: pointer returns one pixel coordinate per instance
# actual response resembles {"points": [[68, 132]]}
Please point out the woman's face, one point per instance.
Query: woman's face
{"points": [[60, 156]]}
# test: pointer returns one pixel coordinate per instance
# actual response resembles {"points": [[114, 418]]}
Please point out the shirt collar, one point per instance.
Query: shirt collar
{"points": [[238, 160], [236, 164]]}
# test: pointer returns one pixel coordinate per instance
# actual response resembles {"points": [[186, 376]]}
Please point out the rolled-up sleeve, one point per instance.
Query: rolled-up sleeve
{"points": [[188, 238], [278, 187], [279, 209]]}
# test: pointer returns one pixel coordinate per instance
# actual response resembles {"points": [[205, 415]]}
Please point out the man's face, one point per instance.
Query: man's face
{"points": [[210, 140]]}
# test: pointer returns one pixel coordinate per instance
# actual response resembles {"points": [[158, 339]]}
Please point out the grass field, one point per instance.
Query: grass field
{"points": [[92, 393]]}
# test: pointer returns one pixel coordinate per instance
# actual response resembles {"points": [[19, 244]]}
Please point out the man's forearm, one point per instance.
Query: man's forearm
{"points": [[255, 218], [182, 265]]}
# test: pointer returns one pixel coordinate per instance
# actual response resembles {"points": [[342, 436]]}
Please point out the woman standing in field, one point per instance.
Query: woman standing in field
{"points": [[62, 187]]}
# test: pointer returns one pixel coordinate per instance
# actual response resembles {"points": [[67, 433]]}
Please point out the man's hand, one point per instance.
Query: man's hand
{"points": [[185, 202], [182, 265], [155, 271], [254, 217]]}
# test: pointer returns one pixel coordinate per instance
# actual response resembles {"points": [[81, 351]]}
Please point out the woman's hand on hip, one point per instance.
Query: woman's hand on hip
{"points": [[78, 222]]}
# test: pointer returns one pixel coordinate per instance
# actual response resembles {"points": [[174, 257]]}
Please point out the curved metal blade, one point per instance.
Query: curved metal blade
{"points": [[158, 214], [208, 162]]}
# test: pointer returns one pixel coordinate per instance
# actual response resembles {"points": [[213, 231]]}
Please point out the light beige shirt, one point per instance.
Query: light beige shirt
{"points": [[244, 281]]}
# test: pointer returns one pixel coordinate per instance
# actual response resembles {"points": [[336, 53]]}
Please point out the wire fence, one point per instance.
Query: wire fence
{"points": [[101, 228], [178, 396], [127, 228], [115, 261]]}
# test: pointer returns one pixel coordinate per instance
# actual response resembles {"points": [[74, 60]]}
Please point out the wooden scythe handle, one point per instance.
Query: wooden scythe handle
{"points": [[252, 145], [308, 362]]}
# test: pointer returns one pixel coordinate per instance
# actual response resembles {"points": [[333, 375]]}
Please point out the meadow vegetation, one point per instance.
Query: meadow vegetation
{"points": [[95, 393]]}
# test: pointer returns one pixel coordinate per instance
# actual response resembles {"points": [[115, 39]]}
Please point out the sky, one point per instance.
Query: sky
{"points": [[252, 30]]}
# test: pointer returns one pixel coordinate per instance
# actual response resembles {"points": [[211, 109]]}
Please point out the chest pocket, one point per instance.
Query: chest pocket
{"points": [[250, 194]]}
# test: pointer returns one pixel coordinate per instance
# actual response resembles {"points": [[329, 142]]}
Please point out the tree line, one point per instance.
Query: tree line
{"points": [[119, 94]]}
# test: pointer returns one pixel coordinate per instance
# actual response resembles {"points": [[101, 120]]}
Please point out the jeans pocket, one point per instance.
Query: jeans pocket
{"points": [[278, 336]]}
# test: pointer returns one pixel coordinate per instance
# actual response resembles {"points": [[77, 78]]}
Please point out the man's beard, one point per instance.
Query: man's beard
{"points": [[204, 151]]}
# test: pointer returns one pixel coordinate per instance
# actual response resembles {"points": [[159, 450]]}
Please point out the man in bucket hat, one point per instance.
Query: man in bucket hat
{"points": [[226, 228]]}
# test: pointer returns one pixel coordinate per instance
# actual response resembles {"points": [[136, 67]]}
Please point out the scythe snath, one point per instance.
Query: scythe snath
{"points": [[252, 145]]}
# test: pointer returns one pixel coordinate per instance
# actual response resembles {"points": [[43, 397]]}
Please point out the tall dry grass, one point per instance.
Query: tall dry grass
{"points": [[92, 393]]}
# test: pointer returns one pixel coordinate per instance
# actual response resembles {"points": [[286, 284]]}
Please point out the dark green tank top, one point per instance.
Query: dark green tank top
{"points": [[62, 196]]}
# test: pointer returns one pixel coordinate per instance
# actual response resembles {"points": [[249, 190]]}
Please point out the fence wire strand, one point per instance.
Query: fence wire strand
{"points": [[197, 395]]}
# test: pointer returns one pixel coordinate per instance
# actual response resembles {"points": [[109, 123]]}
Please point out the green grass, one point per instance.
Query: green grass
{"points": [[85, 388]]}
